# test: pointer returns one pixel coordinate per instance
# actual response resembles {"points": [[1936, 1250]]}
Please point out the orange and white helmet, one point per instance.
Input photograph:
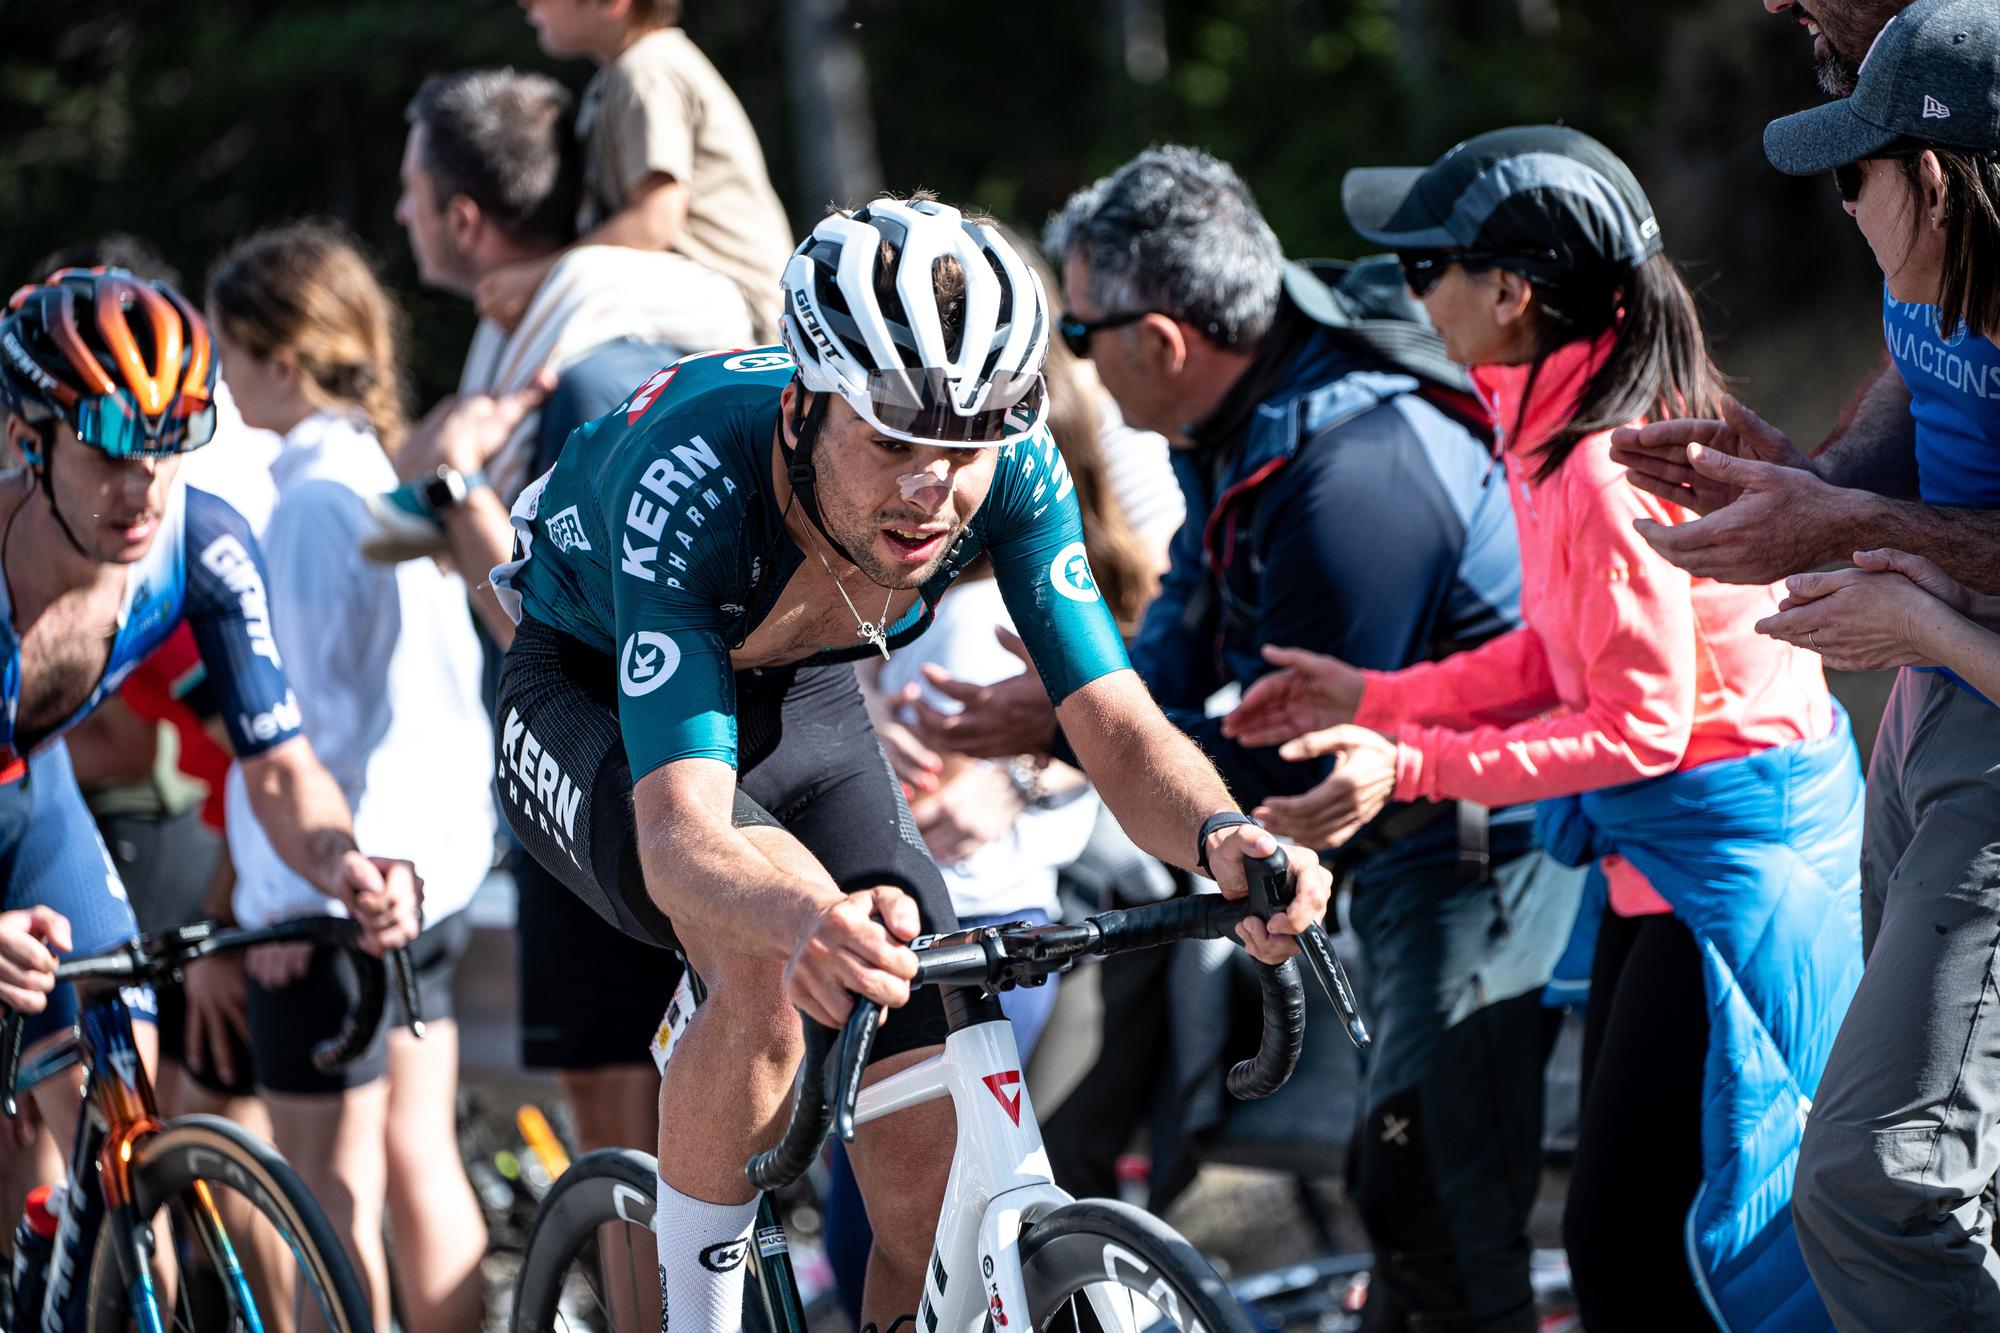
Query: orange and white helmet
{"points": [[125, 361]]}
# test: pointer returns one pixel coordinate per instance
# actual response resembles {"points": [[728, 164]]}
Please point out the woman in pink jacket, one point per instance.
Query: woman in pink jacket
{"points": [[1538, 257]]}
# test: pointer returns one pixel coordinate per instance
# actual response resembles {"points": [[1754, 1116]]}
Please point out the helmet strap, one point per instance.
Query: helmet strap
{"points": [[41, 470], [804, 481]]}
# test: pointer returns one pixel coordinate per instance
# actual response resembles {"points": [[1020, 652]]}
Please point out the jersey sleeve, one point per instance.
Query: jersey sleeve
{"points": [[1034, 535], [228, 607], [677, 520]]}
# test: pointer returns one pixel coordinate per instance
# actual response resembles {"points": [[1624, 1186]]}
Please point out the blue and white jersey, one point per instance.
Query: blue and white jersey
{"points": [[203, 566]]}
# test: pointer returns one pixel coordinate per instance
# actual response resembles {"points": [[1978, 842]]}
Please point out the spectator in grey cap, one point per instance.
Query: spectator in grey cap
{"points": [[1333, 464]]}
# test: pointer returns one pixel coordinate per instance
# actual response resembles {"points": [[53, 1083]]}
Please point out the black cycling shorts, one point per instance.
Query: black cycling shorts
{"points": [[566, 1024], [807, 762]]}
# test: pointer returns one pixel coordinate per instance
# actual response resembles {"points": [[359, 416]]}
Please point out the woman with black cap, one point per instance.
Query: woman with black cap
{"points": [[1704, 767]]}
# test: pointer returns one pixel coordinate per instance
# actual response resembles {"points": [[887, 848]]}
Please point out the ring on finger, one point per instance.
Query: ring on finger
{"points": [[1812, 637]]}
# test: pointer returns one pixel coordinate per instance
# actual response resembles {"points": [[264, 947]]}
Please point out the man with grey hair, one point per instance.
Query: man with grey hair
{"points": [[1334, 466]]}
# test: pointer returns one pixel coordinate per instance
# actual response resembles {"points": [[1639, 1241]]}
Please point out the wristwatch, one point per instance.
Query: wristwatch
{"points": [[446, 488]]}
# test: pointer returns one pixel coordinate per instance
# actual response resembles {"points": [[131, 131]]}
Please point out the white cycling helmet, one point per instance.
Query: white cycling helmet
{"points": [[873, 333]]}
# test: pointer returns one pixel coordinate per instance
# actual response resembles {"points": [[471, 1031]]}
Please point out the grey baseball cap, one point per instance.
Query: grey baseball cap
{"points": [[1549, 198], [1933, 75]]}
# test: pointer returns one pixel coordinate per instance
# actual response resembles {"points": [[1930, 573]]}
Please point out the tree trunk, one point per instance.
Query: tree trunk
{"points": [[831, 118]]}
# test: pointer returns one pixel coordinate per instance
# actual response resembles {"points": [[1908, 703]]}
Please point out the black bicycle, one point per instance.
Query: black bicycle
{"points": [[1009, 1244], [134, 1179]]}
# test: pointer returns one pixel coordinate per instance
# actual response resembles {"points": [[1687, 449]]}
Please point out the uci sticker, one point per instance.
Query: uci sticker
{"points": [[1070, 573], [646, 661], [759, 361]]}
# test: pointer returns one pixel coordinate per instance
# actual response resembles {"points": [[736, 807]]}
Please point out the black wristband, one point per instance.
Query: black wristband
{"points": [[1221, 819]]}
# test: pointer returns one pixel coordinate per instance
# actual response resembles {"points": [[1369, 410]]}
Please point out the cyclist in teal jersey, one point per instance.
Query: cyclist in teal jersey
{"points": [[682, 743]]}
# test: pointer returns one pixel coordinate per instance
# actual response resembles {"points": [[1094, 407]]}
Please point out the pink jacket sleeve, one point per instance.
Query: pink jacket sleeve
{"points": [[1504, 680], [1624, 617]]}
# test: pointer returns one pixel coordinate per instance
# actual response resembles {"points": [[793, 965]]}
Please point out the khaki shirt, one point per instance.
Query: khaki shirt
{"points": [[662, 107]]}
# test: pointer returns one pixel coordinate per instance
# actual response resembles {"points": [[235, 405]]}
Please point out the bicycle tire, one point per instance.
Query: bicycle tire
{"points": [[609, 1185], [601, 1187], [209, 1149], [1100, 1244]]}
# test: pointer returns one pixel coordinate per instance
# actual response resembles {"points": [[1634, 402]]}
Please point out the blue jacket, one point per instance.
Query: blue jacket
{"points": [[1334, 503], [1760, 857]]}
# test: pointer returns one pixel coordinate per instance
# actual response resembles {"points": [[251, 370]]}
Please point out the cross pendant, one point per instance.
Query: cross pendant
{"points": [[872, 633]]}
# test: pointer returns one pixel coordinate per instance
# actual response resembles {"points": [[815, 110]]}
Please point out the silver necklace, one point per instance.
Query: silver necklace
{"points": [[873, 633]]}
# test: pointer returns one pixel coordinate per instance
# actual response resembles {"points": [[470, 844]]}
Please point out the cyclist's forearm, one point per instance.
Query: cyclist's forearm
{"points": [[1155, 780], [302, 811]]}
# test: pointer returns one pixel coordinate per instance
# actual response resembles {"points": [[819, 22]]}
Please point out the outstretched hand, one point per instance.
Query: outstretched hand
{"points": [[1362, 781], [1869, 618], [1308, 692], [1783, 520], [1009, 717], [1656, 456]]}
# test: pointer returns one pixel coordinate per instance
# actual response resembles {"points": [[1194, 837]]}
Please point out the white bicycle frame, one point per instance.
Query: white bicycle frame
{"points": [[1000, 1182]]}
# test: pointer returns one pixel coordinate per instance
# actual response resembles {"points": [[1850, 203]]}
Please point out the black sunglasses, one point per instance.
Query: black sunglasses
{"points": [[1076, 332], [1423, 270], [1850, 177]]}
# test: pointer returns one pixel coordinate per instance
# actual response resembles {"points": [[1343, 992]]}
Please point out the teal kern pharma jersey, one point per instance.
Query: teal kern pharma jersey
{"points": [[656, 539]]}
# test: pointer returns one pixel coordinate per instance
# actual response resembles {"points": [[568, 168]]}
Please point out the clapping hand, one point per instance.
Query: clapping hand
{"points": [[1009, 717], [1657, 456], [1874, 616], [1308, 692], [1362, 781]]}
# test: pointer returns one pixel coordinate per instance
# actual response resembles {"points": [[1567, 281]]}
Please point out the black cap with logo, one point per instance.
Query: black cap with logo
{"points": [[1933, 76], [1544, 200]]}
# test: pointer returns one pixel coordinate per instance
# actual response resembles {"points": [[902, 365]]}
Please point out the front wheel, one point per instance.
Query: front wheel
{"points": [[255, 1250], [1102, 1267]]}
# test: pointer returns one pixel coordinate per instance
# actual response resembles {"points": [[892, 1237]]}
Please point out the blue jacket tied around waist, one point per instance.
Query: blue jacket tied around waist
{"points": [[1760, 857]]}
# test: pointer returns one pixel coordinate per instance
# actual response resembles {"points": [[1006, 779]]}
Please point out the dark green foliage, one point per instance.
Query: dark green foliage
{"points": [[193, 123]]}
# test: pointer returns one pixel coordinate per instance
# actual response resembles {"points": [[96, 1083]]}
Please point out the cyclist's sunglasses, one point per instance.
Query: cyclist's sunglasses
{"points": [[113, 424], [1076, 332]]}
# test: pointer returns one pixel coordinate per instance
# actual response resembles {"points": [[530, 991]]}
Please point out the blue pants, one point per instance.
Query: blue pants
{"points": [[51, 854]]}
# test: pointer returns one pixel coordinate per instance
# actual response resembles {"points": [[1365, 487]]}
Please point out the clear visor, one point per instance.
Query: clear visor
{"points": [[114, 424], [916, 405]]}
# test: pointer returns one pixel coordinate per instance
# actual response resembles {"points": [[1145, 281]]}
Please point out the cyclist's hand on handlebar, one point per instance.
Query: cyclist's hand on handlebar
{"points": [[1312, 889], [855, 947], [385, 898], [27, 968]]}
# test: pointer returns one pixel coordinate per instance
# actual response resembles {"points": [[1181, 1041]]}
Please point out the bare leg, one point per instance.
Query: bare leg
{"points": [[439, 1230], [335, 1143], [902, 1163]]}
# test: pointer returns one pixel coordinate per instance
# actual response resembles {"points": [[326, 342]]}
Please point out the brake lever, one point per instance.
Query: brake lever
{"points": [[1270, 888], [844, 1066], [13, 1031], [406, 986]]}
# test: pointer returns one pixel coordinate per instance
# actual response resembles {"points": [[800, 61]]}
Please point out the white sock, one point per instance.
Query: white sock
{"points": [[703, 1250]]}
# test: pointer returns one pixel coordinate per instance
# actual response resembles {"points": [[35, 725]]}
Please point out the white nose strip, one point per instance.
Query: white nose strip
{"points": [[910, 483]]}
